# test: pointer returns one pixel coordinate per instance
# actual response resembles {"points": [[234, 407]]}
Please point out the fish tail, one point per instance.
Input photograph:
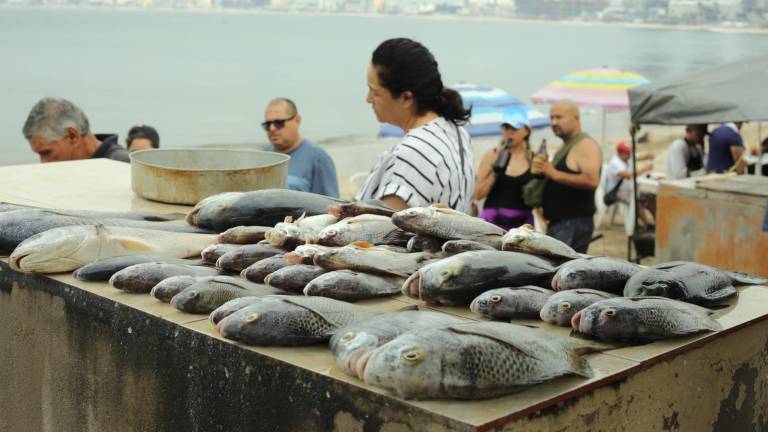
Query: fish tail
{"points": [[746, 279], [579, 366]]}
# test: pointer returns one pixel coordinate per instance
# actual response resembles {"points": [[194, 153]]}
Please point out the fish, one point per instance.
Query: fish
{"points": [[458, 246], [264, 207], [71, 247], [458, 279], [350, 285], [141, 278], [687, 281], [642, 319], [290, 321], [242, 257], [448, 224], [19, 225], [289, 234], [103, 269], [357, 208], [528, 240], [293, 278], [204, 296], [601, 273], [511, 303], [231, 307], [305, 254], [169, 287], [244, 234], [471, 361], [562, 306], [372, 259], [130, 215], [257, 271], [419, 243], [212, 253], [368, 228], [350, 343]]}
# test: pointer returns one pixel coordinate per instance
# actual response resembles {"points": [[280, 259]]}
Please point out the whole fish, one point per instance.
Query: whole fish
{"points": [[562, 306], [600, 273], [231, 307], [19, 225], [239, 259], [67, 248], [257, 271], [204, 296], [262, 207], [293, 278], [458, 279], [167, 288], [103, 269], [528, 240], [419, 243], [448, 224], [349, 285], [357, 208], [212, 253], [305, 254], [368, 228], [511, 303], [131, 215], [289, 234], [642, 318], [141, 278], [453, 247], [687, 281], [365, 257], [244, 234], [471, 361], [350, 343], [290, 321]]}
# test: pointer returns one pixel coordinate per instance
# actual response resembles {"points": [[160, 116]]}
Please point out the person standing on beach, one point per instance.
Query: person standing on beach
{"points": [[725, 149], [433, 162], [58, 130], [568, 198], [685, 156], [310, 168]]}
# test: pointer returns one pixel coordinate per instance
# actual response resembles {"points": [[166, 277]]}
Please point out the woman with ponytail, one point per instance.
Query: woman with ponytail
{"points": [[433, 162]]}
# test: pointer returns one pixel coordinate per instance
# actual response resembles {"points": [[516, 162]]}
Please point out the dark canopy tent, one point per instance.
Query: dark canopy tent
{"points": [[729, 93]]}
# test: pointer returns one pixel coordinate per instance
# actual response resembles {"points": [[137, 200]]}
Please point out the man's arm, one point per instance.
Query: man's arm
{"points": [[588, 160], [324, 179], [737, 152]]}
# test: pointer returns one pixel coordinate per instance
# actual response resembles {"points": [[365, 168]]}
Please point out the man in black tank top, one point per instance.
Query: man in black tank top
{"points": [[569, 196]]}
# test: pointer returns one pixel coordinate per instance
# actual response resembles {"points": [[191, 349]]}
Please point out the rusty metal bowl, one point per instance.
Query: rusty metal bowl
{"points": [[186, 176]]}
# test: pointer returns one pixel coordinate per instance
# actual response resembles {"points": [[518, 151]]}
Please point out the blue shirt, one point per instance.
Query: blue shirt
{"points": [[311, 169], [720, 142]]}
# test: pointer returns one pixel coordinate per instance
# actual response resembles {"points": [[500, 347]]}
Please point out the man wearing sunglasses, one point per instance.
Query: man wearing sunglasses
{"points": [[310, 169]]}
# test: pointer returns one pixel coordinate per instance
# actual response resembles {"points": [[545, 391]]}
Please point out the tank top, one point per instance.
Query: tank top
{"points": [[507, 191], [564, 202]]}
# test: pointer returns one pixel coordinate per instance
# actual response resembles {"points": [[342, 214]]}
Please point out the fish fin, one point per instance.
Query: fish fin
{"points": [[323, 307], [398, 236], [301, 218], [288, 219], [409, 308], [134, 245], [746, 279], [440, 205], [578, 365], [519, 340], [362, 244]]}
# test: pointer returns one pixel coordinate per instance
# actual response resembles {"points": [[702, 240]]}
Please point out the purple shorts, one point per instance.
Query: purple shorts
{"points": [[507, 218]]}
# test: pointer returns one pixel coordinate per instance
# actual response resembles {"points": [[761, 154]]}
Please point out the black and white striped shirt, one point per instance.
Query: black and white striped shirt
{"points": [[430, 165]]}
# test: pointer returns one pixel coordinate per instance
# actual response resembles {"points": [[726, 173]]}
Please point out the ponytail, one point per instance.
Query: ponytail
{"points": [[450, 105]]}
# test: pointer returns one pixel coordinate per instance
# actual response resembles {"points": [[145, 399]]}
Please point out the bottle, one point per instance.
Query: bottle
{"points": [[541, 155], [500, 164]]}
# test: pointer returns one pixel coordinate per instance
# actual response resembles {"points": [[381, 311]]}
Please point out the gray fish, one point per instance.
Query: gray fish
{"points": [[231, 307], [601, 273], [369, 228], [99, 214], [349, 285], [103, 269], [458, 246], [349, 343], [358, 208], [528, 240], [264, 207], [471, 361], [290, 321], [458, 279], [365, 257], [204, 296], [642, 318], [242, 257], [290, 234], [448, 224], [421, 243], [167, 288], [687, 281], [562, 306], [212, 253], [257, 271], [305, 254], [244, 234], [141, 278], [511, 303], [293, 278]]}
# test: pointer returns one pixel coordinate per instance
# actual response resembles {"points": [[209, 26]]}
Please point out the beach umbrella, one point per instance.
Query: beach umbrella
{"points": [[489, 105]]}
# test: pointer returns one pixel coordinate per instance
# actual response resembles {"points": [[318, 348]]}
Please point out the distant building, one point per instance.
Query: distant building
{"points": [[705, 10], [560, 8]]}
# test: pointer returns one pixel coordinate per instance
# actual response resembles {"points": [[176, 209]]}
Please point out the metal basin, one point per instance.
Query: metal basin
{"points": [[186, 176]]}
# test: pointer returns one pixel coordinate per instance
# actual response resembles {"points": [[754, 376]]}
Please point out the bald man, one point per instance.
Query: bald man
{"points": [[569, 196]]}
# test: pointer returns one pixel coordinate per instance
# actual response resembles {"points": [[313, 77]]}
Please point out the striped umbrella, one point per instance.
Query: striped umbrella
{"points": [[488, 105], [605, 87]]}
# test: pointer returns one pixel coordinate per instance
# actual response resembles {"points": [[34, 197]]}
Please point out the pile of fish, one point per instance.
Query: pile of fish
{"points": [[283, 268]]}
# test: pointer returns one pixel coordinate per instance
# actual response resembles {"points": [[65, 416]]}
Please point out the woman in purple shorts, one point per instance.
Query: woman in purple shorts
{"points": [[502, 183]]}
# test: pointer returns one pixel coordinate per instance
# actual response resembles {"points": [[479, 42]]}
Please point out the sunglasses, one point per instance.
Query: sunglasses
{"points": [[279, 124]]}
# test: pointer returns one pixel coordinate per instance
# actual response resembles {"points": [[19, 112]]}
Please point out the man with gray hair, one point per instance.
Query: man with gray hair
{"points": [[57, 130]]}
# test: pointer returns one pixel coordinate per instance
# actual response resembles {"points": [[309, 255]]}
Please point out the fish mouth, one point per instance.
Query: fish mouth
{"points": [[474, 305], [292, 257], [350, 365], [15, 261], [412, 286], [556, 282], [576, 322], [362, 363]]}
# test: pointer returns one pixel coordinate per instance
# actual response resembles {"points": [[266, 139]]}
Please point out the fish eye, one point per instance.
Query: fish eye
{"points": [[252, 318], [495, 298], [411, 212], [413, 356], [518, 238], [445, 274], [331, 232], [565, 306], [347, 337], [610, 312], [194, 294]]}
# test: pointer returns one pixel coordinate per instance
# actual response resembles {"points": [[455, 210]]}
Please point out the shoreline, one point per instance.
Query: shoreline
{"points": [[479, 18]]}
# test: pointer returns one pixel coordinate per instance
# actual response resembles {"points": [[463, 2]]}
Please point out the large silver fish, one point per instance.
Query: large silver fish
{"points": [[293, 278], [471, 361], [511, 303], [528, 240], [141, 278], [204, 296], [562, 306], [448, 224], [349, 285], [374, 259], [351, 342], [103, 269], [642, 318], [601, 273], [257, 271], [368, 228], [68, 248]]}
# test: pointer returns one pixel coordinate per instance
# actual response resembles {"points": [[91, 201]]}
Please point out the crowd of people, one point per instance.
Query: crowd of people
{"points": [[433, 162]]}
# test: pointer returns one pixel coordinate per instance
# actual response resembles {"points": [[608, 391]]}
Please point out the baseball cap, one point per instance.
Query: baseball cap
{"points": [[517, 119], [623, 147]]}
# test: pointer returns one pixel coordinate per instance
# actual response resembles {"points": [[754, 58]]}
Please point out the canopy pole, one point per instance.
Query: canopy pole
{"points": [[759, 164], [633, 132]]}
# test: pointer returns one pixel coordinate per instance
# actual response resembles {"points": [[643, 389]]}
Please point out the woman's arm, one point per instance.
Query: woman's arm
{"points": [[485, 175]]}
